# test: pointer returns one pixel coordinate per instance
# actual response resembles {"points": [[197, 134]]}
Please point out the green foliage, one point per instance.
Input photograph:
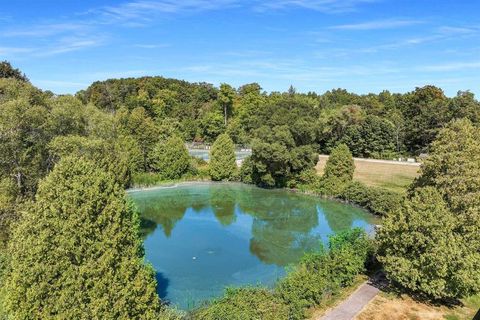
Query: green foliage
{"points": [[453, 165], [276, 158], [321, 275], [340, 164], [211, 126], [425, 111], [7, 71], [226, 98], [424, 248], [244, 303], [222, 159], [373, 138], [377, 200], [76, 253], [171, 159], [8, 212], [246, 170], [121, 157], [338, 171], [304, 288]]}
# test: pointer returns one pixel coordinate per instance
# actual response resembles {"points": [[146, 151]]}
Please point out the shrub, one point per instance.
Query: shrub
{"points": [[303, 288], [222, 159], [349, 252], [244, 303], [383, 201], [321, 275], [171, 159], [376, 200]]}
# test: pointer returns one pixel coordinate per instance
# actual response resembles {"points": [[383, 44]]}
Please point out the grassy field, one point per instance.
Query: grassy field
{"points": [[391, 176], [394, 307]]}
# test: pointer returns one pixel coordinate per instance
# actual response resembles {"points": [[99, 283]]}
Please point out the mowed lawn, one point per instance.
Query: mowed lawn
{"points": [[391, 176]]}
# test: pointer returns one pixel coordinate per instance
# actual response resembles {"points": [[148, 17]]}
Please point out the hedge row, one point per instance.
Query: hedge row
{"points": [[376, 200]]}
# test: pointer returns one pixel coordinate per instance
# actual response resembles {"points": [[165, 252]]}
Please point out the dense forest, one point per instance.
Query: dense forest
{"points": [[77, 153], [381, 125]]}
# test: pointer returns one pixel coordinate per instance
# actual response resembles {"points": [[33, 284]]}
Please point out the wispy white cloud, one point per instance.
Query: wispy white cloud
{"points": [[145, 10], [324, 6], [152, 46], [45, 30], [377, 24], [9, 51], [451, 66]]}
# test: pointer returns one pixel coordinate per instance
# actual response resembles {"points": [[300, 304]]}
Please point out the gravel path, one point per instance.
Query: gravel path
{"points": [[352, 306], [402, 163]]}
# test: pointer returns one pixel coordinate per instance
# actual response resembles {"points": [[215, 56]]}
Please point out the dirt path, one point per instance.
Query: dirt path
{"points": [[352, 306]]}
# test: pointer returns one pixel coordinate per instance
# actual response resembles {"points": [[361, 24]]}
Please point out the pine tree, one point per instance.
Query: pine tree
{"points": [[76, 253], [338, 171], [222, 159], [171, 159]]}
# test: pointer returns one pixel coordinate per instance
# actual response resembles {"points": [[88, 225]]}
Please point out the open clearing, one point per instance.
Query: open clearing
{"points": [[385, 174], [393, 307]]}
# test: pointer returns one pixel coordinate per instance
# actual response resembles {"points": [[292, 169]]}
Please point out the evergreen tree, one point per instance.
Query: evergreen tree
{"points": [[340, 164], [453, 165], [424, 248], [76, 253], [338, 171], [222, 159], [171, 159]]}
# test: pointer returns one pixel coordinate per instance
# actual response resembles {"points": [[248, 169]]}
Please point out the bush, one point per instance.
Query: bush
{"points": [[382, 201], [244, 303], [376, 200], [171, 159], [146, 179], [222, 159], [321, 275], [303, 288], [349, 252]]}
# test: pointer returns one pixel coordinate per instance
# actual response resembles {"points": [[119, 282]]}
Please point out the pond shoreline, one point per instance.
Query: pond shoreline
{"points": [[171, 185]]}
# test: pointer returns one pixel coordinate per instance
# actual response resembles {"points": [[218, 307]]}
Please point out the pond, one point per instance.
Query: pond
{"points": [[202, 237]]}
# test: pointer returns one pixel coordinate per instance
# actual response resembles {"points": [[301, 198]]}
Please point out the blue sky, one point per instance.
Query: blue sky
{"points": [[361, 45]]}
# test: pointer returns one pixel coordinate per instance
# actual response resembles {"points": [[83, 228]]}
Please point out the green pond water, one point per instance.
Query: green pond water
{"points": [[203, 237]]}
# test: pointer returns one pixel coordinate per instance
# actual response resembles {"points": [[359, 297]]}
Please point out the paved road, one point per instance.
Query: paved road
{"points": [[405, 163], [352, 306]]}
